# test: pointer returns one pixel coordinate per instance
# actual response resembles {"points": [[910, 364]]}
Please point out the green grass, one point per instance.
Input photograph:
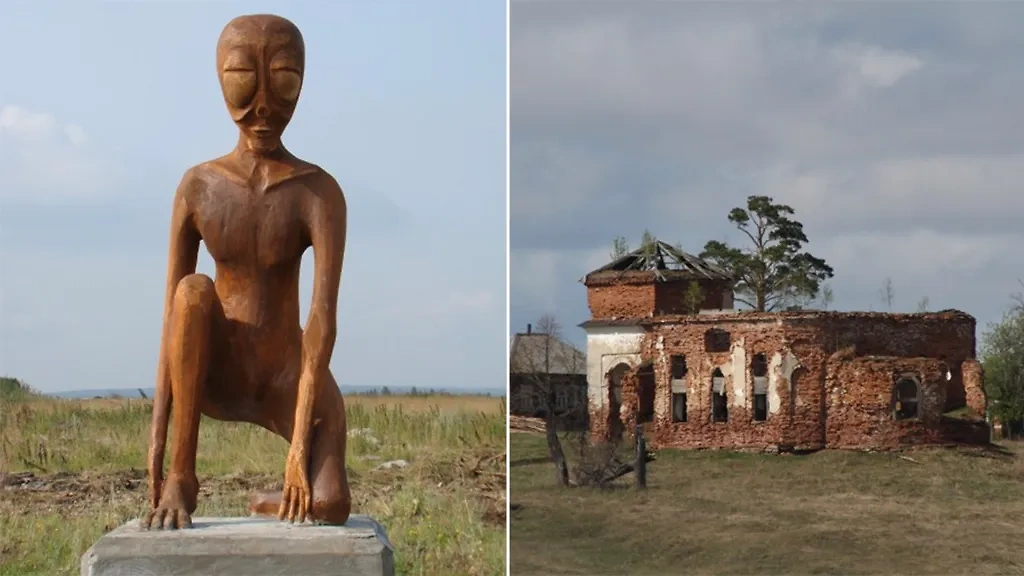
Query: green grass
{"points": [[444, 512], [934, 511]]}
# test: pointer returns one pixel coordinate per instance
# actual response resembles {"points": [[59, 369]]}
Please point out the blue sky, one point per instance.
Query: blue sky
{"points": [[894, 129], [105, 105]]}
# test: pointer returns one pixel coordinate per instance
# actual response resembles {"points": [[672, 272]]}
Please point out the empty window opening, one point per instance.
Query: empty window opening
{"points": [[759, 367], [678, 367], [677, 383], [719, 402], [717, 340], [760, 407], [906, 399], [678, 406]]}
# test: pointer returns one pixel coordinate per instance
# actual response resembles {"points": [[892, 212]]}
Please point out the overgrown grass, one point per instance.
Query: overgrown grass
{"points": [[934, 511], [88, 457]]}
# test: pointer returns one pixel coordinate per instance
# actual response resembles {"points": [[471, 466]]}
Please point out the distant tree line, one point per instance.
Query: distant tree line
{"points": [[414, 391]]}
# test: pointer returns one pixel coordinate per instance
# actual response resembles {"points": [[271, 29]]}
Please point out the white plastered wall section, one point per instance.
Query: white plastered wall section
{"points": [[607, 347]]}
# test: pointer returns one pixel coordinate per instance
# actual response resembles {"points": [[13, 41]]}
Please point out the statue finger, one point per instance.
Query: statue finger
{"points": [[167, 520], [293, 506], [184, 520]]}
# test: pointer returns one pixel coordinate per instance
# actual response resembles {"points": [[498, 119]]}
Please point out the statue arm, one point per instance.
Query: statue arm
{"points": [[183, 251], [327, 221]]}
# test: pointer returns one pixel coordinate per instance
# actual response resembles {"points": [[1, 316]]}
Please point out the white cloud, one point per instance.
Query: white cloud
{"points": [[926, 254], [875, 66], [969, 188], [45, 161]]}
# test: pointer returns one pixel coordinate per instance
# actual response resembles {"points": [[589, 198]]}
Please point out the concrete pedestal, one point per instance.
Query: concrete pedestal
{"points": [[244, 546]]}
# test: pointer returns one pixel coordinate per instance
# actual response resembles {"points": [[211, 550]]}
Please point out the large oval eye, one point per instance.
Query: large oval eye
{"points": [[239, 86], [285, 83]]}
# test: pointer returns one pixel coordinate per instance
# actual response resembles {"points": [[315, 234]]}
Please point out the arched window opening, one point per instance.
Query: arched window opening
{"points": [[906, 394]]}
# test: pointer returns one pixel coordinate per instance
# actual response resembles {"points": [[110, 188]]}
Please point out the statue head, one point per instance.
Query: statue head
{"points": [[260, 63]]}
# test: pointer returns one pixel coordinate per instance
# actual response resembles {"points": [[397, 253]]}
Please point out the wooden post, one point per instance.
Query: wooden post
{"points": [[640, 466]]}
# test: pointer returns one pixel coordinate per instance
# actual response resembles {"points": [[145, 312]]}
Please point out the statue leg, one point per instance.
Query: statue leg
{"points": [[332, 500], [190, 338]]}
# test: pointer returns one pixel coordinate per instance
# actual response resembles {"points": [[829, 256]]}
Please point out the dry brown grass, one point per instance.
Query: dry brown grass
{"points": [[442, 404], [940, 512], [72, 469]]}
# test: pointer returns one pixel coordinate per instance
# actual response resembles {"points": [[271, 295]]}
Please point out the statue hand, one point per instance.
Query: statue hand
{"points": [[297, 498]]}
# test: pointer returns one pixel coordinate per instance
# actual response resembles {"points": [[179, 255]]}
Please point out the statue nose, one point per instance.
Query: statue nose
{"points": [[262, 110]]}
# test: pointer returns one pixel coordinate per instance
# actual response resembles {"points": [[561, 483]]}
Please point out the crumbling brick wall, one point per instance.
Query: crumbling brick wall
{"points": [[688, 339], [670, 297], [947, 336], [831, 377], [859, 404], [639, 295], [974, 387], [621, 300]]}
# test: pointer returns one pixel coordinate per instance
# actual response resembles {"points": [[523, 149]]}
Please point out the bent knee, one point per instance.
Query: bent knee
{"points": [[332, 510], [194, 291]]}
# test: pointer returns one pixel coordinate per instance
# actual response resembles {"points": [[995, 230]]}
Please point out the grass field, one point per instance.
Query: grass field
{"points": [[935, 511], [72, 469]]}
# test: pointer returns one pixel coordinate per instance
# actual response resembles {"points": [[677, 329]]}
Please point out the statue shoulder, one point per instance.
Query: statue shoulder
{"points": [[193, 181], [327, 188]]}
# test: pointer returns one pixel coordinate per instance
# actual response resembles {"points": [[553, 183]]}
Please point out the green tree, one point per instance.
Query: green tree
{"points": [[619, 248], [1002, 355], [774, 270], [693, 298]]}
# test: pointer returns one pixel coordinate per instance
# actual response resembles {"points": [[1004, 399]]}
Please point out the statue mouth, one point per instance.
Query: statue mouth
{"points": [[262, 131]]}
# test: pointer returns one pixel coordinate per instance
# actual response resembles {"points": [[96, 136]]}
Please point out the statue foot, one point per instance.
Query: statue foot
{"points": [[265, 503], [173, 511]]}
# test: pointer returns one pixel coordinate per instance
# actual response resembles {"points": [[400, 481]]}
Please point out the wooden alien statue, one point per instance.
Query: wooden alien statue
{"points": [[233, 348]]}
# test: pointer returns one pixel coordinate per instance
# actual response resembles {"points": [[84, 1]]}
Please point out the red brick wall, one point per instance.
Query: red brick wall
{"points": [[638, 295], [974, 390], [946, 336], [859, 408], [699, 431], [848, 363], [621, 301], [670, 297]]}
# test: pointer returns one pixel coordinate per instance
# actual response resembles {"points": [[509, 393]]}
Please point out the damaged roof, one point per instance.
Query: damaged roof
{"points": [[538, 353], [664, 261]]}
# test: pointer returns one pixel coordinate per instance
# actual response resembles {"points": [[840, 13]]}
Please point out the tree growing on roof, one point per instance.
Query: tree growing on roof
{"points": [[774, 271]]}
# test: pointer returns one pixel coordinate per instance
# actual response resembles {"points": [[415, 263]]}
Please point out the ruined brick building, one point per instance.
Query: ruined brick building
{"points": [[697, 374]]}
